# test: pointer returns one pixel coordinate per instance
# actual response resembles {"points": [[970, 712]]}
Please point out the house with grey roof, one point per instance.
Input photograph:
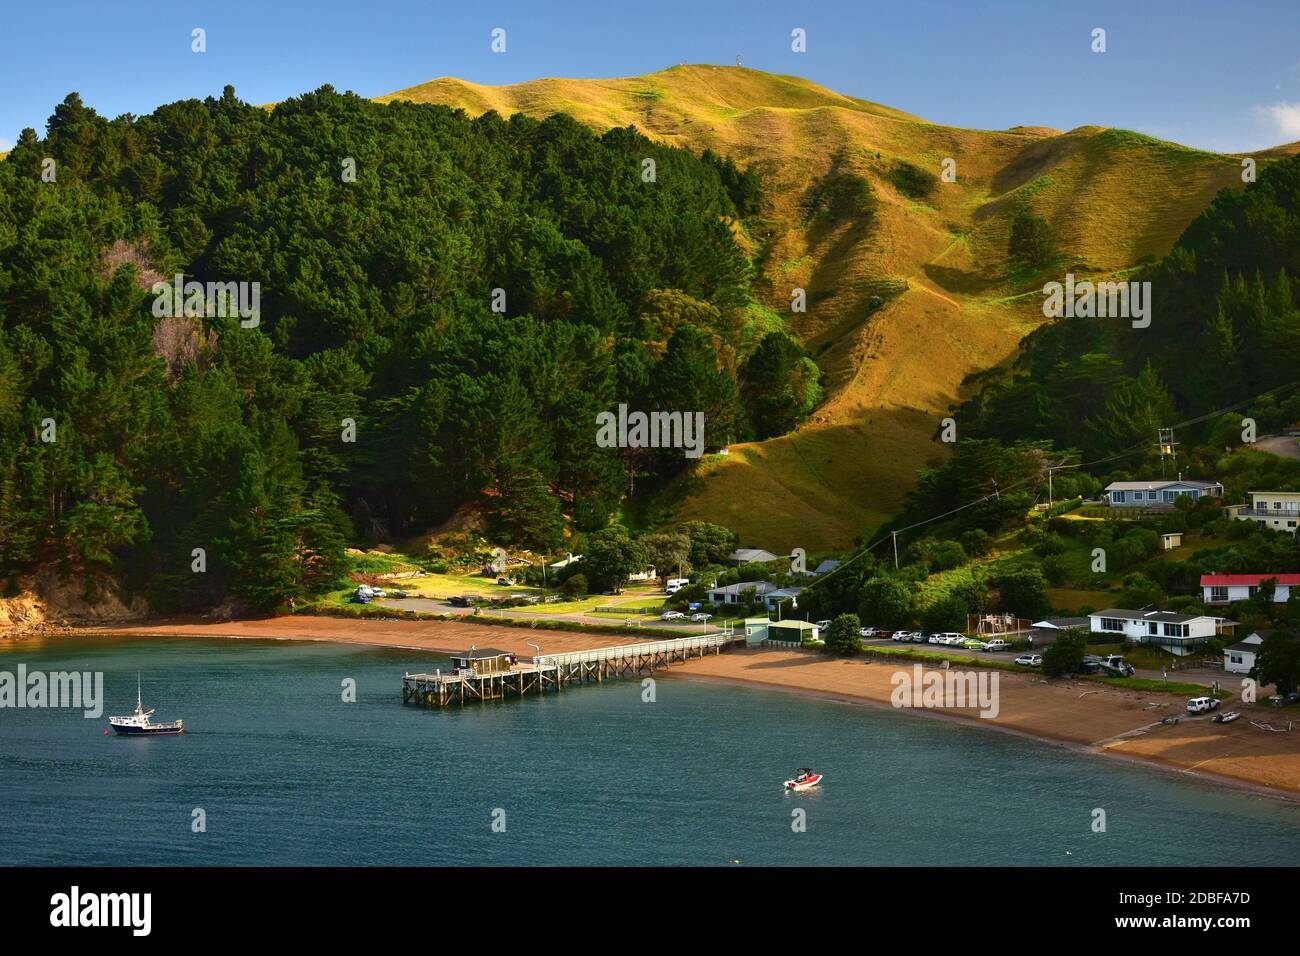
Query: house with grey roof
{"points": [[1160, 495], [750, 556], [732, 593], [1179, 634]]}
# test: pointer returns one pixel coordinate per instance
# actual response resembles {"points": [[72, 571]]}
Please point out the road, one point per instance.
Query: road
{"points": [[582, 617], [1284, 446], [1192, 675]]}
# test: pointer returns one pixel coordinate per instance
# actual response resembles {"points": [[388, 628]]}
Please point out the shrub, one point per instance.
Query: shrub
{"points": [[575, 587]]}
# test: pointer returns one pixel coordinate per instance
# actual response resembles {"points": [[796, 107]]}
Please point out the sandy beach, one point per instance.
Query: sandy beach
{"points": [[1083, 714]]}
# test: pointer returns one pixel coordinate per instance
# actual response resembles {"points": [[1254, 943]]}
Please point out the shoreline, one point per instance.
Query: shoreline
{"points": [[1083, 717], [1154, 764]]}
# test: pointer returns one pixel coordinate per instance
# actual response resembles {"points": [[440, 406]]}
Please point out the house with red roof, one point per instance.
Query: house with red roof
{"points": [[1226, 588]]}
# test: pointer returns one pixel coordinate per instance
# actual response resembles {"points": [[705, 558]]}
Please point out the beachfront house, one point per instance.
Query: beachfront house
{"points": [[649, 574], [1159, 495], [750, 556], [1226, 588], [1180, 634], [734, 593], [1239, 658], [1279, 510], [483, 660]]}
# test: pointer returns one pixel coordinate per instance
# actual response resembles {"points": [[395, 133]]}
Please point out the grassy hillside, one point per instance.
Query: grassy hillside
{"points": [[900, 310]]}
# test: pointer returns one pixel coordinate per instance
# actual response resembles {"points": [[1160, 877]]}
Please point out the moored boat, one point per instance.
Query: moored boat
{"points": [[1227, 718], [139, 723]]}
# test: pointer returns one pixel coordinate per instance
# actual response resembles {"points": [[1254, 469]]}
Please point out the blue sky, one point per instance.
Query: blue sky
{"points": [[1215, 75]]}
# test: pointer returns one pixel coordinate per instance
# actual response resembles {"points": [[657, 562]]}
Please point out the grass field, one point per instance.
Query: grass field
{"points": [[891, 368]]}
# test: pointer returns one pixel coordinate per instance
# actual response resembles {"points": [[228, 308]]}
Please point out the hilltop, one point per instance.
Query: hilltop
{"points": [[901, 308]]}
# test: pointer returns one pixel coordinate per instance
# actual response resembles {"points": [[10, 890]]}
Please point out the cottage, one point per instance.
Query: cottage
{"points": [[1279, 510], [483, 660], [1180, 634], [750, 556], [792, 632], [1226, 588], [733, 593], [1159, 495], [1239, 658], [1171, 540]]}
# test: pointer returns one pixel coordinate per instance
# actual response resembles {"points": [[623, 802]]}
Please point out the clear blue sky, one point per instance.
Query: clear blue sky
{"points": [[1217, 75]]}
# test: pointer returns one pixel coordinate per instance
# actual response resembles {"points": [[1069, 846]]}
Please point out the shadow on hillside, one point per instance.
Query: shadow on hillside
{"points": [[957, 280]]}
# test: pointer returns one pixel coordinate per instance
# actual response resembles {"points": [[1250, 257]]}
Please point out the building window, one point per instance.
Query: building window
{"points": [[1235, 658], [1219, 594], [1116, 497], [1112, 624], [1153, 628]]}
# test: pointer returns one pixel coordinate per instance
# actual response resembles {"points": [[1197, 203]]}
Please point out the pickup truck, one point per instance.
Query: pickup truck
{"points": [[997, 644]]}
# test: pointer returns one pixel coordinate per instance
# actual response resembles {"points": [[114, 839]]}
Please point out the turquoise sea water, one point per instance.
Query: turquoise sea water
{"points": [[287, 773]]}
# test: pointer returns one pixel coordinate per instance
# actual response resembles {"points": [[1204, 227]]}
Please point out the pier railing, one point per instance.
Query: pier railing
{"points": [[690, 646]]}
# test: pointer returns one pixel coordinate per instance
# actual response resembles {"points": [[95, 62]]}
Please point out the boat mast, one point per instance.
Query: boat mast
{"points": [[138, 705]]}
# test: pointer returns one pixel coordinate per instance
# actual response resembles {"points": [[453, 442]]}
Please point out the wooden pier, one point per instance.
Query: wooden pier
{"points": [[481, 676]]}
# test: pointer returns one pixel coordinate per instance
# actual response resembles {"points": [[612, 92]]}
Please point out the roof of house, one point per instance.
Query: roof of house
{"points": [[784, 592], [1247, 646], [801, 625], [760, 587], [1157, 485], [565, 562], [1164, 617], [1228, 580], [481, 653], [751, 554], [830, 564], [1061, 623]]}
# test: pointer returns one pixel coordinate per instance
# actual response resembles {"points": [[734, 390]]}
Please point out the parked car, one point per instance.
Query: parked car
{"points": [[903, 636], [934, 639], [919, 637], [867, 632], [506, 582], [997, 644], [974, 645], [1117, 664], [1200, 705], [671, 616], [823, 625], [701, 617], [883, 634], [1030, 660]]}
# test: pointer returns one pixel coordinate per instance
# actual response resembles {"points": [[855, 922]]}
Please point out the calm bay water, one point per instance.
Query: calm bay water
{"points": [[289, 774]]}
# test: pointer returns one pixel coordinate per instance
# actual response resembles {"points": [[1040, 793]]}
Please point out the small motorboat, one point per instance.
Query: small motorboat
{"points": [[139, 724], [1227, 718], [805, 778]]}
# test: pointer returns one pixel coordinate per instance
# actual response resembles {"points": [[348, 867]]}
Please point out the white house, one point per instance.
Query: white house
{"points": [[1158, 494], [1239, 658], [1177, 633], [649, 574], [1226, 588], [1279, 510], [731, 593], [565, 562]]}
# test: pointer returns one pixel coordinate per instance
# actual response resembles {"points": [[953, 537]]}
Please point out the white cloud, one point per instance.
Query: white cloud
{"points": [[1284, 116], [5, 145]]}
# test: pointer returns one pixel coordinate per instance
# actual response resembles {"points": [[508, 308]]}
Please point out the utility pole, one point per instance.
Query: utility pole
{"points": [[1168, 447], [894, 535], [1049, 491]]}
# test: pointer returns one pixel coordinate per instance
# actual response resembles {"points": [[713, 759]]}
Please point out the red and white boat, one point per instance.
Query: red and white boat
{"points": [[805, 778]]}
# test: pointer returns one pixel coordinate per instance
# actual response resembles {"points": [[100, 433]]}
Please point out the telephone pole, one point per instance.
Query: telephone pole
{"points": [[1168, 447], [894, 535]]}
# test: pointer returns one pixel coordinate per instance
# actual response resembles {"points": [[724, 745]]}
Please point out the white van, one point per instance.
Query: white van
{"points": [[676, 584]]}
